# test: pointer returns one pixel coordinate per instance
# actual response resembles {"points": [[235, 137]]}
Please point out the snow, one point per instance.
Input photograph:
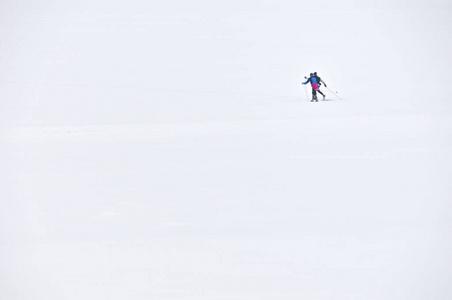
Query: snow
{"points": [[168, 151]]}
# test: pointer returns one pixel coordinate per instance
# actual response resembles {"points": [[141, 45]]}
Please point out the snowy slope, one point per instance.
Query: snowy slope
{"points": [[168, 151]]}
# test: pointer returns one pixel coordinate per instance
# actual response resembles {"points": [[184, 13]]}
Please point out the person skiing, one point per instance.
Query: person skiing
{"points": [[319, 83], [315, 87]]}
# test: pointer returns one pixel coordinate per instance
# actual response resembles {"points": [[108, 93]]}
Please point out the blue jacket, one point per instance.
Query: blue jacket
{"points": [[311, 80]]}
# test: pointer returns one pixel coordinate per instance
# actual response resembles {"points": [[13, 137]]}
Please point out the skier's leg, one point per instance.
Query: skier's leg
{"points": [[314, 95]]}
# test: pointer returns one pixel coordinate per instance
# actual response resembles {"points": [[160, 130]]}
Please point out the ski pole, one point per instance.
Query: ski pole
{"points": [[333, 93], [306, 91]]}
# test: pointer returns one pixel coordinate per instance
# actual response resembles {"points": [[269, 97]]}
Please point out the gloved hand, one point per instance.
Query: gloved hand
{"points": [[325, 85]]}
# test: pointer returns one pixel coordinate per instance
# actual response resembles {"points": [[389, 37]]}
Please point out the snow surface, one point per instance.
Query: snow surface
{"points": [[168, 151]]}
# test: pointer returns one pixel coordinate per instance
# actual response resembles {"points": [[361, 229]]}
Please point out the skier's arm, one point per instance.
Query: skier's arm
{"points": [[321, 81], [306, 81]]}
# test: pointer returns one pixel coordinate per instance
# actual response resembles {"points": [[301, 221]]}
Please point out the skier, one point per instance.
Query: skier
{"points": [[314, 86], [319, 83]]}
